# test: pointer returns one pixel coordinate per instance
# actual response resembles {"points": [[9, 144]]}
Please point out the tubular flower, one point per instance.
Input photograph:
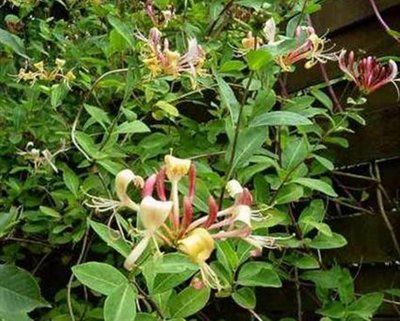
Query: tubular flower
{"points": [[153, 214], [251, 42], [122, 181], [312, 49], [270, 30], [176, 168], [368, 74], [199, 245], [160, 59]]}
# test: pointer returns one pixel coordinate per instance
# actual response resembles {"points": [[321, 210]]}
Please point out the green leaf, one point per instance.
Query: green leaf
{"points": [[249, 142], [289, 193], [307, 262], [325, 162], [366, 306], [168, 108], [280, 118], [14, 42], [175, 263], [323, 98], [120, 305], [71, 180], [49, 212], [294, 153], [133, 127], [315, 212], [258, 58], [258, 274], [111, 237], [324, 242], [12, 316], [227, 255], [189, 301], [316, 184], [145, 317], [8, 220], [19, 291], [166, 281], [123, 29], [228, 99], [98, 115], [100, 277], [245, 297]]}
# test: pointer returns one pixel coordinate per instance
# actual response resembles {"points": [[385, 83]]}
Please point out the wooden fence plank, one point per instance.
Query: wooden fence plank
{"points": [[346, 13], [368, 239]]}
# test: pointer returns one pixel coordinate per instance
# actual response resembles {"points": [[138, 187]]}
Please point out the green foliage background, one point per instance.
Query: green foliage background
{"points": [[114, 115]]}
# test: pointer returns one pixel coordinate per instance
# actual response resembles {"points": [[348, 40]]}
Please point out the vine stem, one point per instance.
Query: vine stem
{"points": [[236, 137], [381, 20], [71, 279], [383, 212]]}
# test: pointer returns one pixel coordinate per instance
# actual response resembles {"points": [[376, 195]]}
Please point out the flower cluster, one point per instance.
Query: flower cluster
{"points": [[368, 73], [309, 46], [41, 157], [160, 60], [42, 73], [164, 221]]}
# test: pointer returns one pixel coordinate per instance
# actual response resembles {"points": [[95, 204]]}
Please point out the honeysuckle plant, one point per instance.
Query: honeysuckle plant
{"points": [[95, 94]]}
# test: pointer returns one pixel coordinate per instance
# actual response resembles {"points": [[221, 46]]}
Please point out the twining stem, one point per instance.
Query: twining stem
{"points": [[383, 212], [298, 295], [236, 136], [382, 21]]}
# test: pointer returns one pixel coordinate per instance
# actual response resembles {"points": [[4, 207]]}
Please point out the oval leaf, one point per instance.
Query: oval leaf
{"points": [[280, 118]]}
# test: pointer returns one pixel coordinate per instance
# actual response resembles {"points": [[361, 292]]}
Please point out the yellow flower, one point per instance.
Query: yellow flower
{"points": [[176, 167], [198, 245]]}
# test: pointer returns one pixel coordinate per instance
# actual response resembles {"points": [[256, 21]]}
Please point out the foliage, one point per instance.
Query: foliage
{"points": [[90, 88]]}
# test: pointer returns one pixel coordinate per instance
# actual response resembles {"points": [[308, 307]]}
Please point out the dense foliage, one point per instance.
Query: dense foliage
{"points": [[160, 136]]}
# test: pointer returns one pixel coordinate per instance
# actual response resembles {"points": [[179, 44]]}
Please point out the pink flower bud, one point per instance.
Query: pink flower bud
{"points": [[187, 212], [192, 181], [160, 184], [212, 212], [149, 186]]}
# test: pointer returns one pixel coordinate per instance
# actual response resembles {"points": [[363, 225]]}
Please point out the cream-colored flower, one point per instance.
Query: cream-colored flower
{"points": [[154, 213], [234, 188], [176, 168]]}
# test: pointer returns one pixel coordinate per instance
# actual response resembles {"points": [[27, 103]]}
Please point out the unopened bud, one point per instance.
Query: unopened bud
{"points": [[234, 188]]}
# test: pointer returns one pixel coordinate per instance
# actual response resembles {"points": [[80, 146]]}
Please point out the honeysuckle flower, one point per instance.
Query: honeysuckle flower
{"points": [[199, 245], [41, 157], [176, 168], [40, 72], [234, 188], [250, 42], [122, 181], [160, 59], [152, 214], [269, 30], [368, 74], [310, 47], [167, 15]]}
